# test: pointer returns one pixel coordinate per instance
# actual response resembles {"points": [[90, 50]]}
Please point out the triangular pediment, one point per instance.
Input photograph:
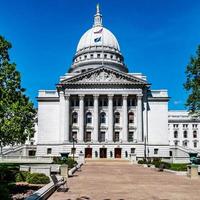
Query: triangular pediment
{"points": [[104, 75]]}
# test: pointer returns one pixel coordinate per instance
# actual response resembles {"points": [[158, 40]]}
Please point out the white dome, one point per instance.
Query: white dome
{"points": [[98, 36]]}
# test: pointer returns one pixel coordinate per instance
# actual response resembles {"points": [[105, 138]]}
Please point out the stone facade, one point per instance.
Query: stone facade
{"points": [[110, 112]]}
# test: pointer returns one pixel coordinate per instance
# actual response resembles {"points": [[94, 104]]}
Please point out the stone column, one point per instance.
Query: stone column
{"points": [[96, 118], [62, 116], [67, 110], [125, 119], [139, 118], [110, 117], [81, 118]]}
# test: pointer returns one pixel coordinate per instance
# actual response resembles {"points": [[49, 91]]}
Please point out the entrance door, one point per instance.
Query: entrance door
{"points": [[88, 152], [118, 152], [103, 153]]}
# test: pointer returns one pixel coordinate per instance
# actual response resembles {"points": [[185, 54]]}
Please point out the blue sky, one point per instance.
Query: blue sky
{"points": [[157, 38]]}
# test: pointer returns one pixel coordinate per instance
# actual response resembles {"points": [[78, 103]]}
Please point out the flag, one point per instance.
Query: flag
{"points": [[98, 39], [99, 31]]}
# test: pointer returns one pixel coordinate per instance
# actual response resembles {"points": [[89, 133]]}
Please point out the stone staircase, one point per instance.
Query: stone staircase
{"points": [[104, 161]]}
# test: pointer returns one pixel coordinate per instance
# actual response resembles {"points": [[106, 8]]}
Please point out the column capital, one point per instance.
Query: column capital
{"points": [[139, 96], [81, 96], [67, 96], [125, 96], [110, 96], [96, 96]]}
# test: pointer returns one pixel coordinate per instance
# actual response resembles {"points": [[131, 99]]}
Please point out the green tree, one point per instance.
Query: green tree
{"points": [[17, 113], [192, 84]]}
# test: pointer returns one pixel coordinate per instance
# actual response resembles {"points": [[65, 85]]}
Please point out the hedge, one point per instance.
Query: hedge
{"points": [[21, 176], [37, 178]]}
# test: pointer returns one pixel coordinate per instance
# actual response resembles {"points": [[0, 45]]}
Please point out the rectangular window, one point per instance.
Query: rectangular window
{"points": [[98, 55], [49, 150], [185, 143], [155, 151], [116, 137], [102, 136], [185, 125], [89, 102], [74, 135], [194, 134], [175, 125], [131, 102], [170, 153], [175, 134], [130, 136], [103, 102], [132, 150], [105, 55], [195, 144], [117, 102], [88, 137], [73, 150], [185, 134], [194, 125]]}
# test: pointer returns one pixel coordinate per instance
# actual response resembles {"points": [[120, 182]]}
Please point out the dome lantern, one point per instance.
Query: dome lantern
{"points": [[97, 17]]}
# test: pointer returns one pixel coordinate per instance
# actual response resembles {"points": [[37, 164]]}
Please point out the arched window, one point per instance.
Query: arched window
{"points": [[74, 118], [185, 134], [194, 134], [102, 118], [117, 118], [88, 118], [175, 134], [130, 118], [185, 143]]}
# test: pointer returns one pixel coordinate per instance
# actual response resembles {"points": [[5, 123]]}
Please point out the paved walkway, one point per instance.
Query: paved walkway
{"points": [[122, 181]]}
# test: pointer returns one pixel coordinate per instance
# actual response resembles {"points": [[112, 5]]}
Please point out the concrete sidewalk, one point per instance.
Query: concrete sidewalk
{"points": [[122, 181]]}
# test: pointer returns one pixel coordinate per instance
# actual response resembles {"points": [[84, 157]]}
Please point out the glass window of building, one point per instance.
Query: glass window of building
{"points": [[132, 150], [117, 102], [194, 134], [155, 151], [88, 118], [49, 150], [185, 143], [98, 55], [185, 134], [103, 102], [131, 118], [185, 125], [102, 137], [116, 137], [74, 118], [103, 118], [88, 136], [130, 136], [194, 125], [131, 102], [195, 144], [175, 125], [89, 102], [74, 135], [175, 134], [117, 118]]}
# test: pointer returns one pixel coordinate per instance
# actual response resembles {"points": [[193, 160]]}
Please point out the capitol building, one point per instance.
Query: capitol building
{"points": [[108, 112]]}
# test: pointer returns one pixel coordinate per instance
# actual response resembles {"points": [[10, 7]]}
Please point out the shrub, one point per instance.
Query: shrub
{"points": [[4, 192], [37, 178], [68, 161], [21, 176], [142, 162], [178, 167], [7, 172]]}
